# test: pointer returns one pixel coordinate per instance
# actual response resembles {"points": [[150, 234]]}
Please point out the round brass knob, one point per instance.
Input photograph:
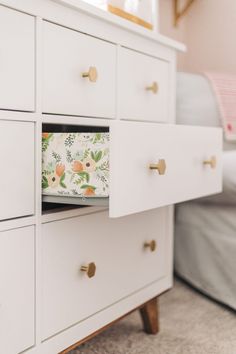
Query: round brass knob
{"points": [[92, 74], [154, 87], [211, 162], [160, 166], [90, 269], [152, 245]]}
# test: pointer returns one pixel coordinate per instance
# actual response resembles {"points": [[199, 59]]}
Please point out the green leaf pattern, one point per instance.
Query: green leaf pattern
{"points": [[75, 164]]}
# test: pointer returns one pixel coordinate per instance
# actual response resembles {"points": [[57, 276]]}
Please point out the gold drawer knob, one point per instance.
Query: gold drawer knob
{"points": [[92, 74], [90, 269], [152, 245], [160, 166], [154, 87], [211, 162]]}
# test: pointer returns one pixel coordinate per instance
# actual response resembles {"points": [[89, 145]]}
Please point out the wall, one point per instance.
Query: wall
{"points": [[166, 27], [209, 30]]}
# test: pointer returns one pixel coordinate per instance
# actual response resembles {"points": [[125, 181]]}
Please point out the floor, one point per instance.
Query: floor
{"points": [[190, 324]]}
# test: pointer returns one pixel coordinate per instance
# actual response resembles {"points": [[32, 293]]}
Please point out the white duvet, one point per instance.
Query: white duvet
{"points": [[196, 103]]}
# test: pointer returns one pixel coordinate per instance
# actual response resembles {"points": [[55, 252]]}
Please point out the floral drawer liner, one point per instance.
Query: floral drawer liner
{"points": [[75, 164]]}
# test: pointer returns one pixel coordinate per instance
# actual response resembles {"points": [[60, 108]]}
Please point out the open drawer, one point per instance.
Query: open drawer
{"points": [[186, 164], [154, 165]]}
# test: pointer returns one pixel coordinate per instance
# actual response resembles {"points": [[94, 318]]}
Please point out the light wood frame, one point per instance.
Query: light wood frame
{"points": [[178, 13]]}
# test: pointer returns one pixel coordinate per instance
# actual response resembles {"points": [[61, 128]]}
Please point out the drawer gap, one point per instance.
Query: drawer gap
{"points": [[50, 207], [71, 128]]}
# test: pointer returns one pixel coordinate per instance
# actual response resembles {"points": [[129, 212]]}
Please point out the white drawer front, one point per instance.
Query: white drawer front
{"points": [[143, 89], [17, 169], [68, 54], [17, 35], [16, 290], [133, 147], [116, 246]]}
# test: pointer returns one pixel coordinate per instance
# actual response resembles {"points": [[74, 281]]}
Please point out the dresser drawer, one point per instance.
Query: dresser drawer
{"points": [[148, 165], [67, 57], [17, 169], [143, 88], [17, 289], [17, 35], [185, 151], [116, 246]]}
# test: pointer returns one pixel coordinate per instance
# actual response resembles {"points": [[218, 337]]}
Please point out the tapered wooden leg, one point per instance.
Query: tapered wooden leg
{"points": [[149, 314]]}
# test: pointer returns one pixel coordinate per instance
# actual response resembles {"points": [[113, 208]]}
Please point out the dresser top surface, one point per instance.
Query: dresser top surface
{"points": [[51, 7], [120, 22]]}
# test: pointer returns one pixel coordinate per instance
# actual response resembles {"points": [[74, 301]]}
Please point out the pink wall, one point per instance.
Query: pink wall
{"points": [[166, 27], [208, 30]]}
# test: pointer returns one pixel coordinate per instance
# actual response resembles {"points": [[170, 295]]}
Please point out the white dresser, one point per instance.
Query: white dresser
{"points": [[68, 272]]}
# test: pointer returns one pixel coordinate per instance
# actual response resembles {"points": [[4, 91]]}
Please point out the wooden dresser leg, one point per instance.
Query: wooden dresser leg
{"points": [[149, 314]]}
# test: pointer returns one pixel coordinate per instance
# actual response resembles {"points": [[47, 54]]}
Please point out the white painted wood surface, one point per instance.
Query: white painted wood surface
{"points": [[17, 60], [137, 72], [134, 187], [66, 55], [17, 285], [115, 246], [18, 169], [114, 33], [128, 26]]}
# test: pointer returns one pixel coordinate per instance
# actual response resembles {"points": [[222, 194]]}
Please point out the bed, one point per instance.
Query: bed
{"points": [[205, 232]]}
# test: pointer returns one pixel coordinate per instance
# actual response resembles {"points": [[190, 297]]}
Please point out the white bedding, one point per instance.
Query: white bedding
{"points": [[196, 103], [205, 249]]}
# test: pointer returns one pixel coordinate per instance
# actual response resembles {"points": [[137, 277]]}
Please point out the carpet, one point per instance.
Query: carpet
{"points": [[190, 323]]}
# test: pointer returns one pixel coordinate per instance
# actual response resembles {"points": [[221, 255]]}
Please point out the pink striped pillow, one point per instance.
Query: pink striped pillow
{"points": [[224, 86]]}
